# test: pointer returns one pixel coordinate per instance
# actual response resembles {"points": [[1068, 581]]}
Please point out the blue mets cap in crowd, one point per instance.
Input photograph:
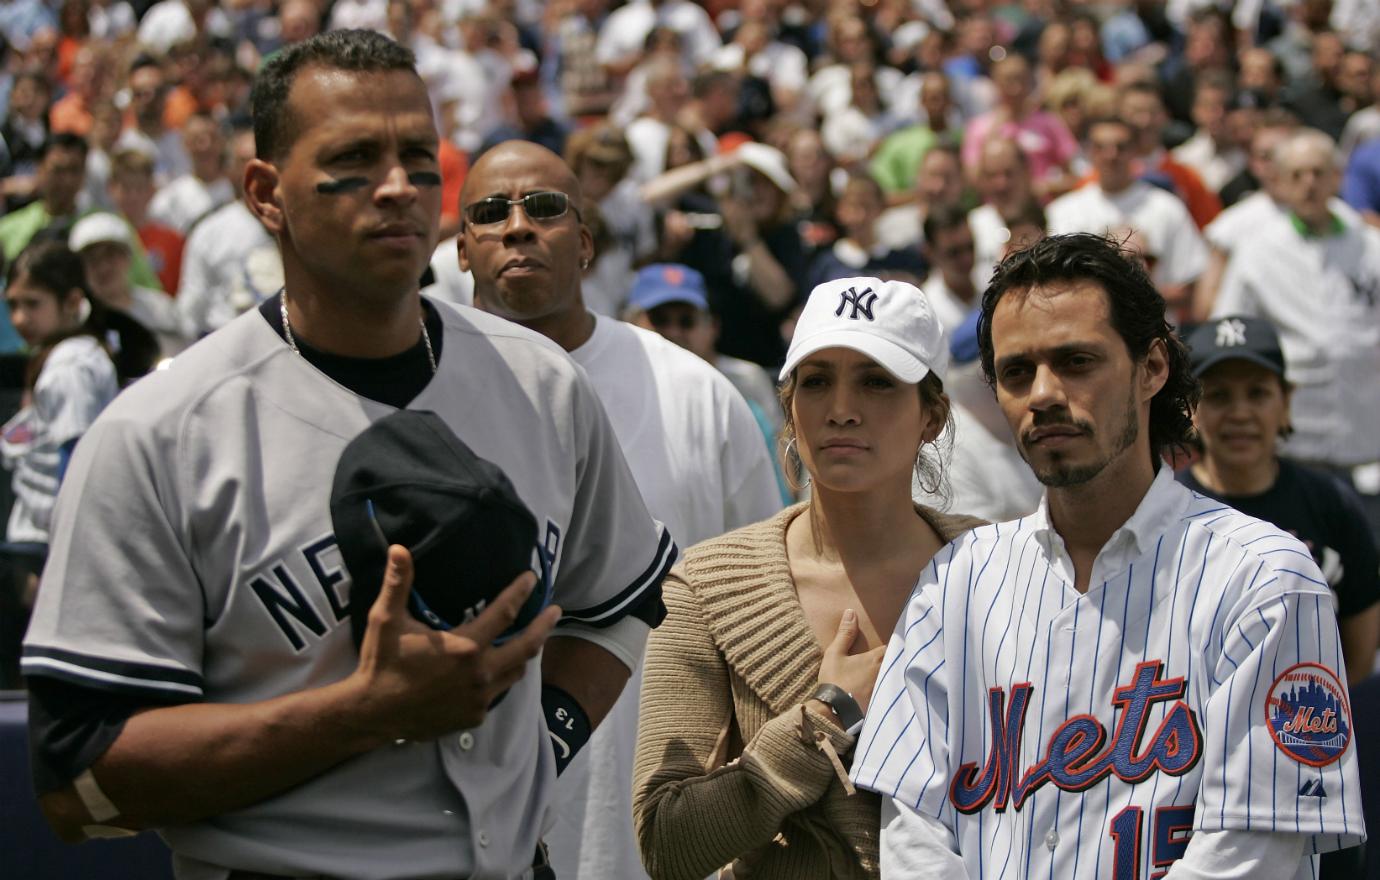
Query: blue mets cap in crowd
{"points": [[662, 283], [1234, 338]]}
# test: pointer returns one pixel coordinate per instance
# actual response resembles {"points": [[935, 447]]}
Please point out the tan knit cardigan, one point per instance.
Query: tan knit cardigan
{"points": [[725, 774]]}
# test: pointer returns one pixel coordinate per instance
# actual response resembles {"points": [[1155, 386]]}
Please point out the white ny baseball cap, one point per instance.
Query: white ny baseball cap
{"points": [[97, 228], [889, 321]]}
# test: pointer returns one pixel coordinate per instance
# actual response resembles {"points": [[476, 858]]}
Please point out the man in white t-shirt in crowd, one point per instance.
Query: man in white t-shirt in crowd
{"points": [[1316, 278], [230, 262], [624, 33], [695, 450], [205, 187], [1117, 199], [1002, 177], [105, 244], [672, 300]]}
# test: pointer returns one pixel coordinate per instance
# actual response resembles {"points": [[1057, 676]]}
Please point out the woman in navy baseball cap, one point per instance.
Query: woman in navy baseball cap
{"points": [[1240, 420]]}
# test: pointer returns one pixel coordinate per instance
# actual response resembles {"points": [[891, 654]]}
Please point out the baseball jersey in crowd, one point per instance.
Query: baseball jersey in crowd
{"points": [[187, 199], [1242, 220], [75, 384], [1255, 212], [1327, 517], [208, 486], [1159, 216], [1193, 687], [1322, 293], [229, 265], [696, 453]]}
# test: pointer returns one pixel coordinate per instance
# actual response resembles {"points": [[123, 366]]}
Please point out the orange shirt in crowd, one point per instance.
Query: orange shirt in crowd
{"points": [[70, 113], [455, 164], [164, 248]]}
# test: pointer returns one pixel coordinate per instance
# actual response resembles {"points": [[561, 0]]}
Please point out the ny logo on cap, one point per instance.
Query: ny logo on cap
{"points": [[861, 302], [1231, 332]]}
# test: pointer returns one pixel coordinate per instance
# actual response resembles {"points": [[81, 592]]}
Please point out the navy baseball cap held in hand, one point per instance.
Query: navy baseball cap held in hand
{"points": [[407, 479]]}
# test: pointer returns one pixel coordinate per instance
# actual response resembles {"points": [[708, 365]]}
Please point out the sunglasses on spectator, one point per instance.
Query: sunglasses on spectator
{"points": [[537, 206], [684, 320]]}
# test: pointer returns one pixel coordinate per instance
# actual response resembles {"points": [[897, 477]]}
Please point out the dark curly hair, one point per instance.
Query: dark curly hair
{"points": [[1137, 313], [353, 50]]}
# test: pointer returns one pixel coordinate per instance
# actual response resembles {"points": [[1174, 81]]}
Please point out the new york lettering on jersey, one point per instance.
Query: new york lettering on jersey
{"points": [[1066, 735]]}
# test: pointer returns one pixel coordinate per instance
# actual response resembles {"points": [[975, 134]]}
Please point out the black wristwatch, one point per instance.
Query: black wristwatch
{"points": [[841, 702]]}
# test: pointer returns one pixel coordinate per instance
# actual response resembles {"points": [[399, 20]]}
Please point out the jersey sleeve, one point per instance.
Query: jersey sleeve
{"points": [[68, 398], [903, 752], [120, 608], [615, 555], [1277, 745], [1235, 295]]}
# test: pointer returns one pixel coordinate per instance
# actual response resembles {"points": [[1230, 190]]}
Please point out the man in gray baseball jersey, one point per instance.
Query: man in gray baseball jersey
{"points": [[191, 657], [692, 443]]}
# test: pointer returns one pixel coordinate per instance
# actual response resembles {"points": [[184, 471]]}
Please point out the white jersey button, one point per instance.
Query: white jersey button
{"points": [[466, 741], [483, 838], [1051, 840]]}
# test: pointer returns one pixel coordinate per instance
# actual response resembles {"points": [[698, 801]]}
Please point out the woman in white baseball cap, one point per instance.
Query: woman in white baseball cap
{"points": [[774, 633]]}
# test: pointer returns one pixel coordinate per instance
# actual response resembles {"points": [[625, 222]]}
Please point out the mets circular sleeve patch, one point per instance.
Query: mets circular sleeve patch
{"points": [[1306, 710]]}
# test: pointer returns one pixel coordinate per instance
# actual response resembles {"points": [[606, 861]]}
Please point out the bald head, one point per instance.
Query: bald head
{"points": [[528, 269], [1307, 173], [539, 163]]}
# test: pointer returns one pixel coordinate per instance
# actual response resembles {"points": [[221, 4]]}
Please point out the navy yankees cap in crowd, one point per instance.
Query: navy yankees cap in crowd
{"points": [[407, 479], [1234, 338]]}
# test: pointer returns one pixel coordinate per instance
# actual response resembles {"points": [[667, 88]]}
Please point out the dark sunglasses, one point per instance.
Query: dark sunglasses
{"points": [[685, 320], [537, 206]]}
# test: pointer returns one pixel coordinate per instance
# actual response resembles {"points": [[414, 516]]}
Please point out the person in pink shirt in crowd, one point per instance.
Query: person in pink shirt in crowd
{"points": [[1043, 136]]}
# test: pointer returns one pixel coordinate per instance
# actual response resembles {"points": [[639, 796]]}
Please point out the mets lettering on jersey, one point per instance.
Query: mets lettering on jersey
{"points": [[1065, 735]]}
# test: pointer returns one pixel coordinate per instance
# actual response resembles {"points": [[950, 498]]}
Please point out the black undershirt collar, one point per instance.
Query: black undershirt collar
{"points": [[394, 380]]}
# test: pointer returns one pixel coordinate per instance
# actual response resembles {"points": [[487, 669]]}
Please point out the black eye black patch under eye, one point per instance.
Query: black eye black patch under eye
{"points": [[343, 185], [350, 184]]}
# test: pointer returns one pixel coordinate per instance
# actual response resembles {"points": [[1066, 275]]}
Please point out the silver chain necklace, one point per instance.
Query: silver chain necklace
{"points": [[292, 342]]}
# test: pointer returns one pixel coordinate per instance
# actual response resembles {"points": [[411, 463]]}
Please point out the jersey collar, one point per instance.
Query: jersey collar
{"points": [[1335, 226], [1162, 507]]}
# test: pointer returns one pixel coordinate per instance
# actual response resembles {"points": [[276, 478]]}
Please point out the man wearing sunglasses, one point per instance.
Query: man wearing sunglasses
{"points": [[191, 657], [693, 445]]}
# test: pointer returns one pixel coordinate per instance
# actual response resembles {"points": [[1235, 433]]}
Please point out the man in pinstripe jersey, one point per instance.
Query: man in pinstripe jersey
{"points": [[1134, 682]]}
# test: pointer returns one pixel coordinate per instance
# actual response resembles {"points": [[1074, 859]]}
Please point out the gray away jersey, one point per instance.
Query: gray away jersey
{"points": [[1068, 736], [193, 559]]}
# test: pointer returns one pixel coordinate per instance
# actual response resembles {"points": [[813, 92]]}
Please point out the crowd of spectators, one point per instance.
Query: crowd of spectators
{"points": [[733, 155]]}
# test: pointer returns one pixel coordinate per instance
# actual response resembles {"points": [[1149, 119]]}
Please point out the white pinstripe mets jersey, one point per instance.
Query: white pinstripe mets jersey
{"points": [[1078, 736]]}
